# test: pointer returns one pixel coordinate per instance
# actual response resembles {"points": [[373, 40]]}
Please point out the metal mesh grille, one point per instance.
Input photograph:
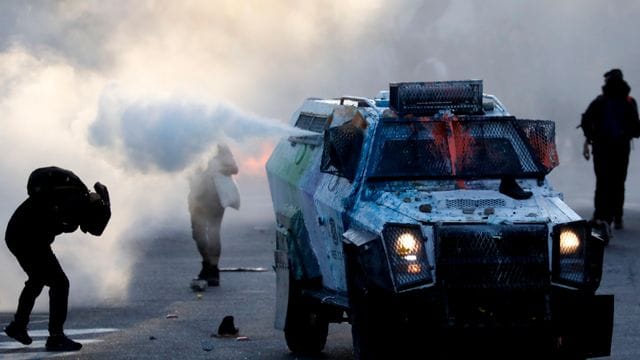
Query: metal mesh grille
{"points": [[572, 269], [492, 256], [312, 122], [413, 156], [411, 148], [466, 148], [493, 143], [541, 135], [474, 203], [407, 259], [341, 153], [427, 98]]}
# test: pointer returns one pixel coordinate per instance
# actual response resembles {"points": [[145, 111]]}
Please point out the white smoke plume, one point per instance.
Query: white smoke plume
{"points": [[170, 134], [142, 147]]}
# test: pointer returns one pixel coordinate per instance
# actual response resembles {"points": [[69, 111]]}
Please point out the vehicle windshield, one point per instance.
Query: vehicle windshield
{"points": [[462, 148]]}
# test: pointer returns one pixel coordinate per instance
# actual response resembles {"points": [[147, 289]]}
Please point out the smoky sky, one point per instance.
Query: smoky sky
{"points": [[544, 58], [75, 30]]}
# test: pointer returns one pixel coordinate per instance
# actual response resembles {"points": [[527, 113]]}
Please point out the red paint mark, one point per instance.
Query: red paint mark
{"points": [[464, 144], [460, 144], [452, 139], [440, 135]]}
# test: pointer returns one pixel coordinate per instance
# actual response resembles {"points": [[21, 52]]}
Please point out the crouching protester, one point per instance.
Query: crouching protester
{"points": [[58, 202]]}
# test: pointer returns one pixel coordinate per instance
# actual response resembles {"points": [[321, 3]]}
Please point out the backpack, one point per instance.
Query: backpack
{"points": [[50, 182], [69, 201], [594, 114], [56, 187]]}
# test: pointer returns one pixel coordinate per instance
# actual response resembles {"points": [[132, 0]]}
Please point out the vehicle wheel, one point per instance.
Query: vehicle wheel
{"points": [[306, 326], [373, 327], [366, 330]]}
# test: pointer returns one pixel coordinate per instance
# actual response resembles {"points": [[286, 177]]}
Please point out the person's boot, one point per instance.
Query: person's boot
{"points": [[213, 278], [18, 333], [509, 186], [62, 343], [210, 273]]}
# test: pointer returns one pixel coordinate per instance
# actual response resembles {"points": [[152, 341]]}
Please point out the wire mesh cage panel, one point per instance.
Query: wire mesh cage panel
{"points": [[492, 256], [474, 147], [428, 98], [341, 152]]}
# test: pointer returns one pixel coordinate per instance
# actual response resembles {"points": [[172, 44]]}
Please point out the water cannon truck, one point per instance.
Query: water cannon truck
{"points": [[424, 218]]}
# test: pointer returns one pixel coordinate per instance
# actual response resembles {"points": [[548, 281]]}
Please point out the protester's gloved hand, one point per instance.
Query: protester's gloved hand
{"points": [[586, 150], [97, 212]]}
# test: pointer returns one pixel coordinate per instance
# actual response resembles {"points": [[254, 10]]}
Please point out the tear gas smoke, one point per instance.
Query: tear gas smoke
{"points": [[543, 58], [170, 134], [142, 147]]}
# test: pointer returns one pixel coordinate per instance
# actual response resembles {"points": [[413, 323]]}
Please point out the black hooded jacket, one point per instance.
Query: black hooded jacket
{"points": [[612, 116], [58, 202]]}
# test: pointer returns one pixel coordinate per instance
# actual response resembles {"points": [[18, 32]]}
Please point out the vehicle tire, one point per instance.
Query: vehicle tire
{"points": [[306, 326], [367, 328], [373, 327]]}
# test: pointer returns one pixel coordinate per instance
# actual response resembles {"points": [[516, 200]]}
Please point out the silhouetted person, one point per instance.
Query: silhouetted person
{"points": [[212, 190], [58, 202], [609, 124]]}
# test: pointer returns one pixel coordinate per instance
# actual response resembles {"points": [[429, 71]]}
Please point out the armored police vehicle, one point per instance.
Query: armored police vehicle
{"points": [[424, 218]]}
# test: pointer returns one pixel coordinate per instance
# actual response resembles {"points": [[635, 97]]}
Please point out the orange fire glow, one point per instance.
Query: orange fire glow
{"points": [[255, 164]]}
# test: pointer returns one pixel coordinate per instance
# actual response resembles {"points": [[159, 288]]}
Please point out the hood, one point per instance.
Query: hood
{"points": [[476, 206], [616, 87]]}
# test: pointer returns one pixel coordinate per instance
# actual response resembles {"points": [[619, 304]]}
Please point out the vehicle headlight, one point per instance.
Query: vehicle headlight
{"points": [[407, 245], [577, 256], [405, 249], [569, 242]]}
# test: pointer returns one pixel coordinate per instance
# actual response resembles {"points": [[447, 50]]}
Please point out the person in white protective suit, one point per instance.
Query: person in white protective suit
{"points": [[212, 189]]}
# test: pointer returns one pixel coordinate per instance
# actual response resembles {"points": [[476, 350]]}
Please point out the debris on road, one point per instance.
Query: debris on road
{"points": [[243, 269], [207, 345], [227, 327], [172, 316]]}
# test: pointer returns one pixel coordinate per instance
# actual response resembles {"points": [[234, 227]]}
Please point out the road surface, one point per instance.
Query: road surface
{"points": [[164, 319]]}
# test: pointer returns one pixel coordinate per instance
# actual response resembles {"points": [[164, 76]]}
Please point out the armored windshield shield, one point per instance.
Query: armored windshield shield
{"points": [[465, 147]]}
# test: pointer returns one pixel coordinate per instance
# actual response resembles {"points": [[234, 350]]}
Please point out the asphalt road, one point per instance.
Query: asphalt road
{"points": [[164, 319]]}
